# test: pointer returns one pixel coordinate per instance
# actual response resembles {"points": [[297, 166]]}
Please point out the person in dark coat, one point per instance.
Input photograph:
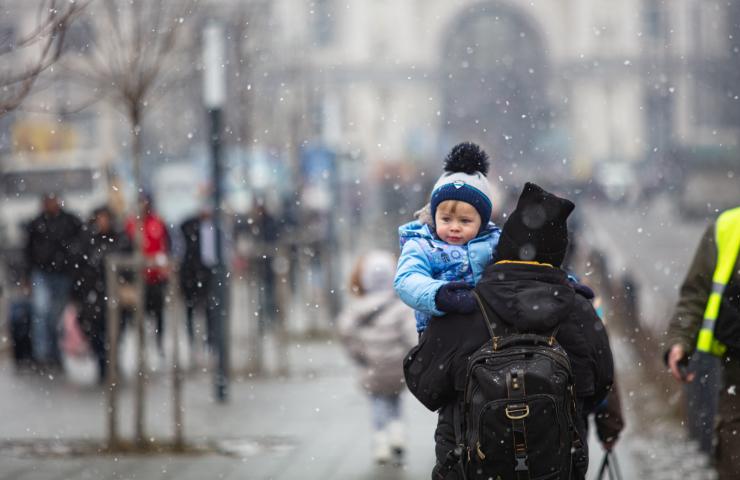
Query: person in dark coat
{"points": [[50, 246], [196, 270], [99, 240], [524, 291]]}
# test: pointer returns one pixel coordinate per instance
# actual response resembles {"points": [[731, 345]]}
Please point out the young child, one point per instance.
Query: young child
{"points": [[375, 327], [444, 252]]}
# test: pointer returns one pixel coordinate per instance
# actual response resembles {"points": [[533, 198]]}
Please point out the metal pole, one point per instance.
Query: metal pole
{"points": [[113, 321], [141, 369], [214, 96], [221, 378], [177, 379]]}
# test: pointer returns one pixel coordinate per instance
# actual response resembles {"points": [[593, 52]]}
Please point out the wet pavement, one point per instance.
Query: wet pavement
{"points": [[653, 246], [313, 424]]}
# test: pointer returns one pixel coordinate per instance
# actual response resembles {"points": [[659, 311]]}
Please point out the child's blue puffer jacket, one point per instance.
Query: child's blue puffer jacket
{"points": [[426, 263]]}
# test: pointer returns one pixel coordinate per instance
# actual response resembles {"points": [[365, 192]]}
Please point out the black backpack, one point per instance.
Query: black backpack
{"points": [[518, 412]]}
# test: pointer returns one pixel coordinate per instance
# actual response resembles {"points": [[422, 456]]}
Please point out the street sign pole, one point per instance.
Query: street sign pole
{"points": [[214, 93]]}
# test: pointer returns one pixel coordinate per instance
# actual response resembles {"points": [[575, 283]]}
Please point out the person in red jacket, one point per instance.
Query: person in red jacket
{"points": [[155, 246]]}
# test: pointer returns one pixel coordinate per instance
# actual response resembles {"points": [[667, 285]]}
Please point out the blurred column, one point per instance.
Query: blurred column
{"points": [[214, 96]]}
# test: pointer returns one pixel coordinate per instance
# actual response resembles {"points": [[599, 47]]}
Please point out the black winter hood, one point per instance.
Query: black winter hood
{"points": [[531, 299], [518, 297]]}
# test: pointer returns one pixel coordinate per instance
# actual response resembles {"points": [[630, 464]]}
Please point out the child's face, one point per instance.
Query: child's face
{"points": [[457, 222]]}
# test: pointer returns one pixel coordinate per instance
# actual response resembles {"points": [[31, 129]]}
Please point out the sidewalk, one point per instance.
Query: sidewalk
{"points": [[653, 246], [314, 424]]}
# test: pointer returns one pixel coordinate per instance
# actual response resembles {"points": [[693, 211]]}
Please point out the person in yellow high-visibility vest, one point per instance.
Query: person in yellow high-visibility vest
{"points": [[707, 321]]}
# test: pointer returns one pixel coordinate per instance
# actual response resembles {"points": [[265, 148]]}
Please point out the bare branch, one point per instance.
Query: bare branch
{"points": [[53, 21], [131, 59]]}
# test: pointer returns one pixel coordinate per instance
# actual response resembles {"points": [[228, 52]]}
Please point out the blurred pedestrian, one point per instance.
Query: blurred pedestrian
{"points": [[155, 246], [266, 232], [607, 415], [99, 240], [377, 329], [197, 274], [51, 244], [707, 322]]}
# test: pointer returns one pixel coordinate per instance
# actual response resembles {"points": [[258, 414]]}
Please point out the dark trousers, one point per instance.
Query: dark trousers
{"points": [[444, 443], [154, 303], [93, 320], [210, 317], [728, 427], [202, 298], [50, 292]]}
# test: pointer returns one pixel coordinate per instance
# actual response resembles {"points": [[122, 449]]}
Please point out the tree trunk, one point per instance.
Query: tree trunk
{"points": [[139, 414], [177, 379], [255, 363], [112, 315], [283, 296]]}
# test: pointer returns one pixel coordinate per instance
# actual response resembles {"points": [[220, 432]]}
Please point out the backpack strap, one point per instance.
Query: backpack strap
{"points": [[489, 325], [553, 335], [516, 411], [579, 456], [454, 456]]}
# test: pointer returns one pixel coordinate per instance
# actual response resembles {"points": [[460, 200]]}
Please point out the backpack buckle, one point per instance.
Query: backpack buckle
{"points": [[521, 464], [517, 411]]}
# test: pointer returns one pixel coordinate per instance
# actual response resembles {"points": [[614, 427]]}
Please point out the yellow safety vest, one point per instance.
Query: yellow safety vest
{"points": [[727, 236]]}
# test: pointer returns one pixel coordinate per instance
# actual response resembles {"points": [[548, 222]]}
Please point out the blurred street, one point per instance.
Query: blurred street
{"points": [[201, 199], [652, 244], [313, 424]]}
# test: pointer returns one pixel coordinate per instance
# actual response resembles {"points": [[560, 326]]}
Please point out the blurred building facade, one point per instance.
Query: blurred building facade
{"points": [[547, 86], [575, 82]]}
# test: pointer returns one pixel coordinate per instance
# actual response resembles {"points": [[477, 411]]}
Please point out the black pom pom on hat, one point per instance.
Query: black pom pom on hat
{"points": [[467, 157]]}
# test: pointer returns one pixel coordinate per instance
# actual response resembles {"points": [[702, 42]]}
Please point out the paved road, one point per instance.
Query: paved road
{"points": [[314, 424], [654, 246], [650, 242]]}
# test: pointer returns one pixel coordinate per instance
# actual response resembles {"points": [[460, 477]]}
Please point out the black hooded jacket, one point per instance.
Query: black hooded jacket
{"points": [[519, 297], [52, 241]]}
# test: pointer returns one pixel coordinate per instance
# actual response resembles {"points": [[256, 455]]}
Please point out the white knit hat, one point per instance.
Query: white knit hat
{"points": [[377, 271]]}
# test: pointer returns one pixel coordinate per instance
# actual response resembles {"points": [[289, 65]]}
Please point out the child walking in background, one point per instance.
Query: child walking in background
{"points": [[377, 330], [444, 252]]}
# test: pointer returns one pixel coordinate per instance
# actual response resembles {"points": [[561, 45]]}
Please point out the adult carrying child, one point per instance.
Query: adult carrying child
{"points": [[528, 372]]}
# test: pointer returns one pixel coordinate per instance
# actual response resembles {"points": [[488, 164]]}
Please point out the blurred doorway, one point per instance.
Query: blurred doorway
{"points": [[494, 83]]}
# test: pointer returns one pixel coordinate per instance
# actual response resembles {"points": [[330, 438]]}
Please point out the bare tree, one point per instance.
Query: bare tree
{"points": [[24, 60], [138, 56]]}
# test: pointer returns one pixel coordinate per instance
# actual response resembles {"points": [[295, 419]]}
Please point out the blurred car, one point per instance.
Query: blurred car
{"points": [[618, 181]]}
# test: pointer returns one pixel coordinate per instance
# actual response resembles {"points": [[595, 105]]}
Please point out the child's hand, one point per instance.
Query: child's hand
{"points": [[455, 297]]}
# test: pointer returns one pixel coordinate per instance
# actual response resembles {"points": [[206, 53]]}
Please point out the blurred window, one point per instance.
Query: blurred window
{"points": [[656, 21], [6, 132], [495, 77], [83, 125], [324, 26], [716, 66], [35, 183], [7, 38]]}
